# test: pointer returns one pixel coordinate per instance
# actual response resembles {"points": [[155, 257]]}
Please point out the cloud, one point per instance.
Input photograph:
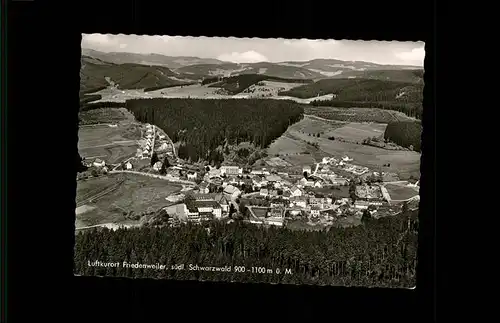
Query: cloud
{"points": [[122, 46], [245, 57], [416, 55]]}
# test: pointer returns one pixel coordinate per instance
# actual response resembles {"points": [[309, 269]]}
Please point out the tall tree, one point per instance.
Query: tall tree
{"points": [[154, 158]]}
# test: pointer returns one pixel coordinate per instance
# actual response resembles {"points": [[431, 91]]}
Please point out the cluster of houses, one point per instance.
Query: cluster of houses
{"points": [[344, 164], [286, 195], [154, 141]]}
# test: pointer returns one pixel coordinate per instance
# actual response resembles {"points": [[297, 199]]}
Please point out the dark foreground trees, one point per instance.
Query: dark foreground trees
{"points": [[204, 126], [406, 134], [378, 253]]}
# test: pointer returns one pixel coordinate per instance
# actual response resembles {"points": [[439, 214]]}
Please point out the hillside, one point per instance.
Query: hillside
{"points": [[237, 84], [332, 67], [268, 69], [409, 76], [96, 75], [357, 89], [365, 93], [148, 59]]}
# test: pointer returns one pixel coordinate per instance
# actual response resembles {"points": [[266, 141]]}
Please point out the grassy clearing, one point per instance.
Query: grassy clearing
{"points": [[112, 144], [356, 132], [398, 192], [403, 163], [138, 194]]}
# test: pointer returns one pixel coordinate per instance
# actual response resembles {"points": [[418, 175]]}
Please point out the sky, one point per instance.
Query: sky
{"points": [[252, 50]]}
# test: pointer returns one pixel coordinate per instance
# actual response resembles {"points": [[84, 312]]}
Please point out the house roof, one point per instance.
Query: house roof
{"points": [[230, 189], [273, 178], [212, 204]]}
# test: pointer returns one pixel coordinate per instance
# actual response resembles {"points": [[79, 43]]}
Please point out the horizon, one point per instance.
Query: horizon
{"points": [[260, 50]]}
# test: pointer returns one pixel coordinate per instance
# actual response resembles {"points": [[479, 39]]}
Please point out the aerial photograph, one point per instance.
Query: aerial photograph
{"points": [[280, 161]]}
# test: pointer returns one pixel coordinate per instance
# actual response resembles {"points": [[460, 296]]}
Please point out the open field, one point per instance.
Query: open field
{"points": [[404, 163], [108, 115], [137, 193], [357, 114], [285, 145], [358, 131], [115, 144], [400, 192]]}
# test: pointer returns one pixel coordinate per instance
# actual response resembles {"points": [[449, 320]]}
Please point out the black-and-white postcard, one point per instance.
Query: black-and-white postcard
{"points": [[281, 161]]}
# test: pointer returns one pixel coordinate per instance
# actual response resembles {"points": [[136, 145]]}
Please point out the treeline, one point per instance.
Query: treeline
{"points": [[406, 134], [413, 110], [159, 87], [238, 83], [370, 93], [203, 127], [378, 253], [100, 105]]}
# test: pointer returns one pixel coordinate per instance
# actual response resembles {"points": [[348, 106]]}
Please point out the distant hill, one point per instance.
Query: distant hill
{"points": [[357, 89], [268, 69], [148, 59], [334, 67], [96, 74], [238, 83], [365, 93], [195, 68]]}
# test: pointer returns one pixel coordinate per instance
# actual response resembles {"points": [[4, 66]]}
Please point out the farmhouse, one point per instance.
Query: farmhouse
{"points": [[203, 188], [315, 211], [128, 165], [273, 178], [230, 170], [295, 191], [157, 166], [99, 163], [260, 172], [192, 175], [363, 205], [209, 207]]}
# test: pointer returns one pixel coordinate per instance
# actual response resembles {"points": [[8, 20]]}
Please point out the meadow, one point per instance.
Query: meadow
{"points": [[399, 192], [111, 144], [137, 194]]}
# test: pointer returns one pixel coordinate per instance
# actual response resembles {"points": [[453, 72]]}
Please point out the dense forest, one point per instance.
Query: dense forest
{"points": [[204, 126], [87, 106], [379, 253], [238, 83], [365, 93], [405, 134]]}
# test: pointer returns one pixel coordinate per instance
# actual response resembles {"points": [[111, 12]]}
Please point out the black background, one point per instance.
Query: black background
{"points": [[43, 55]]}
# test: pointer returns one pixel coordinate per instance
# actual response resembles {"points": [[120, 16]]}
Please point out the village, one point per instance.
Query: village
{"points": [[315, 195]]}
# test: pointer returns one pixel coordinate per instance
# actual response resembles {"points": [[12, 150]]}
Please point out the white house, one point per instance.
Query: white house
{"points": [[346, 158], [231, 170], [315, 212], [157, 166], [318, 184], [362, 205], [192, 175], [99, 163], [163, 147], [264, 192], [209, 207], [128, 165], [161, 137], [295, 191], [325, 160]]}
